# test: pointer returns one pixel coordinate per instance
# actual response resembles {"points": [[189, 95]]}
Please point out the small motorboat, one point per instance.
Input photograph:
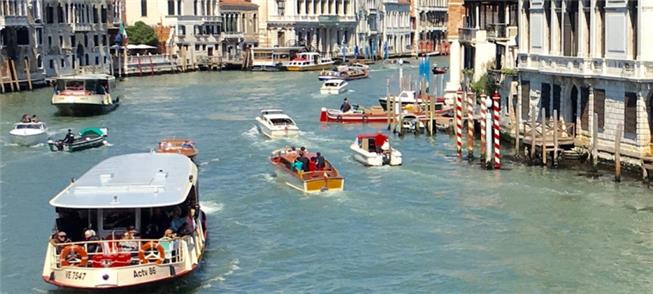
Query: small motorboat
{"points": [[375, 150], [29, 133], [438, 70], [88, 138], [411, 123], [404, 98], [357, 114], [338, 72], [333, 87], [311, 180], [181, 146], [274, 123]]}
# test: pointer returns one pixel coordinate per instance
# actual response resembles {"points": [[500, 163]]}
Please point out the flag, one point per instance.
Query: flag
{"points": [[356, 52], [123, 34]]}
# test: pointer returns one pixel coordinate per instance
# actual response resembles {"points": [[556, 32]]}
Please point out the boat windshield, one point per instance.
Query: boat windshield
{"points": [[28, 126], [282, 121], [87, 86]]}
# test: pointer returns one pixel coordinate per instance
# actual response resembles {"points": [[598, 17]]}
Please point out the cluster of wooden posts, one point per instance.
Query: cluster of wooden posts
{"points": [[490, 147], [9, 76]]}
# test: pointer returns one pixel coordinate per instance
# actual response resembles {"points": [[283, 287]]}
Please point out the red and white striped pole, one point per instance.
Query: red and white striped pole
{"points": [[470, 125], [459, 122], [483, 113], [497, 143]]}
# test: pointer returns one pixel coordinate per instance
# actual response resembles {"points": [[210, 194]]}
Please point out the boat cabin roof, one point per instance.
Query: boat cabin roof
{"points": [[271, 111], [131, 181], [87, 77], [377, 137], [334, 82], [410, 94]]}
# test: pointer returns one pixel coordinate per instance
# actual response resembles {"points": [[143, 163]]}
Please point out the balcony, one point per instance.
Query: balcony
{"points": [[501, 32], [587, 67], [13, 20], [471, 35], [313, 19]]}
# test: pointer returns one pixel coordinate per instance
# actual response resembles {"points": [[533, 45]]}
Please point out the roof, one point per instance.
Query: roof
{"points": [[87, 77], [372, 135], [131, 181], [237, 4], [277, 115]]}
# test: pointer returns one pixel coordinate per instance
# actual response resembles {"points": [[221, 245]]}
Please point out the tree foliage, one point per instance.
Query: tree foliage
{"points": [[140, 33]]}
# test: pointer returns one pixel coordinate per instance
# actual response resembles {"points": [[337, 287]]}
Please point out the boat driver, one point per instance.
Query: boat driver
{"points": [[70, 137], [345, 107]]}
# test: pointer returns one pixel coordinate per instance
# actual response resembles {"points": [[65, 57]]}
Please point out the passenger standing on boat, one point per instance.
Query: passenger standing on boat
{"points": [[70, 137], [345, 107], [169, 245], [319, 164], [304, 160], [189, 223], [178, 220]]}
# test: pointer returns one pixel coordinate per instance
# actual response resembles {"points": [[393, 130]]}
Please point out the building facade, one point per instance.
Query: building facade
{"points": [[590, 57], [240, 28], [76, 35], [196, 26], [396, 28], [431, 26], [369, 28], [324, 26], [21, 39]]}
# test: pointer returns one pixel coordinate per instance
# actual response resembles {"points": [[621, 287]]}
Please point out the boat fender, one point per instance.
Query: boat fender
{"points": [[78, 254], [339, 118], [156, 253]]}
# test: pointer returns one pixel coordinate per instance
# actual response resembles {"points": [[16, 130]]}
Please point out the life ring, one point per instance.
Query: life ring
{"points": [[79, 256], [339, 118], [364, 118], [151, 257]]}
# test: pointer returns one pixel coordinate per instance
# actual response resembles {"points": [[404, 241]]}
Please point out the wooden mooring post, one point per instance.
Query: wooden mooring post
{"points": [[13, 69], [543, 131], [555, 137], [28, 74], [617, 153], [517, 124], [595, 140], [533, 115]]}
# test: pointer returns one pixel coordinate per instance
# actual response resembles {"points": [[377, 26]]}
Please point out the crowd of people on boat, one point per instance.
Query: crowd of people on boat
{"points": [[26, 118], [164, 226], [302, 163]]}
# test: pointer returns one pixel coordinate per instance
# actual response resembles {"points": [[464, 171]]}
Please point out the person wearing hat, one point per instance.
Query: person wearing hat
{"points": [[90, 236]]}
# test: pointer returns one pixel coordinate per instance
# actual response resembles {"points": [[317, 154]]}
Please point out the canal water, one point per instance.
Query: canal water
{"points": [[433, 225]]}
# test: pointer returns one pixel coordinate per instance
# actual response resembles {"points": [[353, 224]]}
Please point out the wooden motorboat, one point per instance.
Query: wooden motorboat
{"points": [[29, 133], [181, 146], [438, 70], [375, 150], [83, 95], [119, 197], [345, 72], [333, 87], [88, 138], [274, 123], [357, 114], [312, 179]]}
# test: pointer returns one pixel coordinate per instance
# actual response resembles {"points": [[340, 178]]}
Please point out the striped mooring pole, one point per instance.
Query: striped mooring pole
{"points": [[483, 112], [497, 135], [459, 123], [470, 125]]}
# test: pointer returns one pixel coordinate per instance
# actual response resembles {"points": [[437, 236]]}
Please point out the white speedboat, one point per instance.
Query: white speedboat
{"points": [[84, 95], [405, 98], [333, 87], [274, 123], [113, 202], [29, 133], [375, 150], [308, 61]]}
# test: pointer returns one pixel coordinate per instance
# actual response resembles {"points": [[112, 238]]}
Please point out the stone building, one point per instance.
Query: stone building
{"points": [[369, 27], [21, 39], [431, 26], [240, 28], [196, 26], [396, 28], [586, 57], [324, 26], [76, 35]]}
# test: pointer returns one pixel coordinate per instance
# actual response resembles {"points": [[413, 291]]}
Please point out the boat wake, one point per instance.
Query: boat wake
{"points": [[205, 163], [233, 267], [270, 178], [229, 117], [211, 207], [252, 133]]}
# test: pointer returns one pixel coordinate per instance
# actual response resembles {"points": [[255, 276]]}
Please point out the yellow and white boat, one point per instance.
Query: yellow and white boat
{"points": [[314, 178]]}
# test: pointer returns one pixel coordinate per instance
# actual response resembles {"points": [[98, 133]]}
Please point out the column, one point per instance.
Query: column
{"points": [[590, 101], [314, 39], [454, 67]]}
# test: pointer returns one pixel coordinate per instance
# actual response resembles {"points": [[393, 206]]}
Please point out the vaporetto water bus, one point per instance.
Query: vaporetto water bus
{"points": [[130, 220], [86, 94]]}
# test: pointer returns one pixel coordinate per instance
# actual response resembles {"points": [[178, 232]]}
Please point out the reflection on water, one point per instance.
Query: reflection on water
{"points": [[434, 224]]}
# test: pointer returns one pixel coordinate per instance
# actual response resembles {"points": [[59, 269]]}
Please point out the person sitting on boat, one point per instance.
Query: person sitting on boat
{"points": [[304, 160], [60, 237], [90, 236], [345, 107], [70, 137], [297, 165], [169, 245], [189, 223], [319, 161], [178, 221], [128, 243], [25, 118], [34, 119], [312, 164]]}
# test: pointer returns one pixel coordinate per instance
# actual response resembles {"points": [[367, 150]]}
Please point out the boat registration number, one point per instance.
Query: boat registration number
{"points": [[73, 275], [151, 271]]}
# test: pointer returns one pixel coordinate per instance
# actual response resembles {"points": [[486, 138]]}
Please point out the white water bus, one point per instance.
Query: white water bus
{"points": [[129, 202]]}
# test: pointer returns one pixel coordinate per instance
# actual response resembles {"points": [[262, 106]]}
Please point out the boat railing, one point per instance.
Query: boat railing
{"points": [[119, 253]]}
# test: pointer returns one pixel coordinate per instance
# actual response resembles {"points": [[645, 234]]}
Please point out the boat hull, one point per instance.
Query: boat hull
{"points": [[332, 91], [313, 67], [28, 140], [318, 184], [78, 145], [332, 115], [277, 132], [84, 109], [375, 159]]}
